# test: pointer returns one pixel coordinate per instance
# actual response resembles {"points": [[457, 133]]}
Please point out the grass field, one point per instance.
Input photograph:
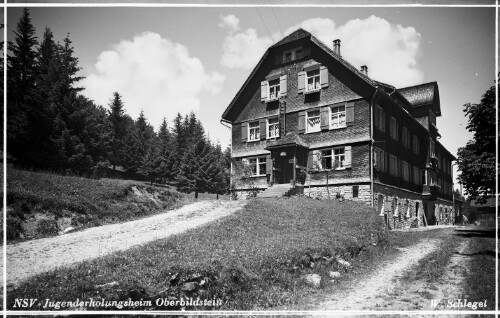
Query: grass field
{"points": [[253, 259], [41, 204]]}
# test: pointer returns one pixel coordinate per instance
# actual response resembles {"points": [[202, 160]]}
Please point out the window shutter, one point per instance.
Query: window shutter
{"points": [[325, 123], [301, 84], [310, 160], [269, 164], [376, 158], [302, 122], [323, 76], [348, 157], [244, 132], [349, 114], [262, 130], [264, 90], [283, 85]]}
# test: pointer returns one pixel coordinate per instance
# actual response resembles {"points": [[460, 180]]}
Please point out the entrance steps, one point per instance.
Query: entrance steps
{"points": [[277, 190]]}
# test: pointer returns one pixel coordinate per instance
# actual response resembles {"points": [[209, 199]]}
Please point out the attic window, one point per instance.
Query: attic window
{"points": [[293, 54]]}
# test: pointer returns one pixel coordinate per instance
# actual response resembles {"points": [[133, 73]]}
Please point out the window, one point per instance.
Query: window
{"points": [[258, 166], [395, 206], [380, 118], [416, 145], [293, 54], [406, 171], [416, 175], [408, 206], [355, 191], [313, 80], [253, 131], [380, 164], [273, 128], [337, 118], [313, 121], [394, 128], [393, 165], [333, 158], [406, 138], [274, 89]]}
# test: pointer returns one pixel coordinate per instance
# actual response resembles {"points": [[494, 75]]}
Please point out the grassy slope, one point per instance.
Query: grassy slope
{"points": [[87, 202], [252, 259]]}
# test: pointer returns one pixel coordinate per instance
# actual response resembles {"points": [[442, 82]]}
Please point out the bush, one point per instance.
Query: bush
{"points": [[47, 227], [14, 228]]}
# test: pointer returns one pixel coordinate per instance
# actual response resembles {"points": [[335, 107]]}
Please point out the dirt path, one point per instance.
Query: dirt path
{"points": [[383, 290], [34, 257]]}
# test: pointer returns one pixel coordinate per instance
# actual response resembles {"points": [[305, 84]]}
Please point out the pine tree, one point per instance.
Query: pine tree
{"points": [[117, 125], [140, 140], [166, 152], [21, 68]]}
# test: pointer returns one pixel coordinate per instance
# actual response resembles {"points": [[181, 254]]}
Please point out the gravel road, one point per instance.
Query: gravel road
{"points": [[37, 256]]}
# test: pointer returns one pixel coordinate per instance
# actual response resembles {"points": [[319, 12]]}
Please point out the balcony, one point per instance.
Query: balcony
{"points": [[273, 97], [312, 88]]}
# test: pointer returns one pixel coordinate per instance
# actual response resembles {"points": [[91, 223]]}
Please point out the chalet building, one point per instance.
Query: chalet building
{"points": [[307, 121]]}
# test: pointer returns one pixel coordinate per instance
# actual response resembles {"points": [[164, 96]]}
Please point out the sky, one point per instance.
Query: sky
{"points": [[166, 60]]}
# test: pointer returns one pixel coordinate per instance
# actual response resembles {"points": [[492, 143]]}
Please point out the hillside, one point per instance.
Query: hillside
{"points": [[44, 204], [255, 258]]}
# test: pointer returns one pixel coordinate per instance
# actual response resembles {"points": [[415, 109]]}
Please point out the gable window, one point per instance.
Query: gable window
{"points": [[380, 118], [394, 128], [406, 138], [273, 128], [416, 145], [312, 80], [337, 118], [253, 131], [293, 54], [274, 89], [257, 166], [313, 121]]}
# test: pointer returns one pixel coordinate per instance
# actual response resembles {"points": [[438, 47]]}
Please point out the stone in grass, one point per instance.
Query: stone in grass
{"points": [[344, 263], [334, 274], [190, 286], [68, 230], [313, 279], [107, 285]]}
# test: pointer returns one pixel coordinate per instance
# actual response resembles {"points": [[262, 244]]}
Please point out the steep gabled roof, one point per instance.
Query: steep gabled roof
{"points": [[423, 95], [300, 34]]}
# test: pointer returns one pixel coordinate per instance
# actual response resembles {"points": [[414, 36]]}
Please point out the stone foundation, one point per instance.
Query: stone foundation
{"points": [[336, 191]]}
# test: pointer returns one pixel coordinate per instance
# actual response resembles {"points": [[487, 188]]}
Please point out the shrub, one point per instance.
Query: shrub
{"points": [[14, 227], [47, 227]]}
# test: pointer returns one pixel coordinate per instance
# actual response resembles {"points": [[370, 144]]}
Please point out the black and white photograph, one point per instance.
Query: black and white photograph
{"points": [[251, 159]]}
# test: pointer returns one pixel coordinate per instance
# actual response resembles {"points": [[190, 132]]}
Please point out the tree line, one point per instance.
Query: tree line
{"points": [[52, 126]]}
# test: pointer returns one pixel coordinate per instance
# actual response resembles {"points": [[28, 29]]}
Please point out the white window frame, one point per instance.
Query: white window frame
{"points": [[317, 83], [333, 157], [258, 162], [338, 117], [269, 130], [307, 121], [256, 131], [276, 89]]}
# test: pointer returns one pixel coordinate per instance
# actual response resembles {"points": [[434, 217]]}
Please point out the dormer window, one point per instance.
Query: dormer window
{"points": [[273, 88]]}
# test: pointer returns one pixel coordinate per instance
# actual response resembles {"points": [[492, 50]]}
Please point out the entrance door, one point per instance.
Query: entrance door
{"points": [[285, 166]]}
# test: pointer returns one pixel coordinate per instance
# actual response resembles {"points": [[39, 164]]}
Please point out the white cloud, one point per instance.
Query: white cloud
{"points": [[390, 51], [152, 74], [231, 22]]}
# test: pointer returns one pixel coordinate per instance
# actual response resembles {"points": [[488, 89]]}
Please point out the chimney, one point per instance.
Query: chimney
{"points": [[336, 47], [364, 70]]}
